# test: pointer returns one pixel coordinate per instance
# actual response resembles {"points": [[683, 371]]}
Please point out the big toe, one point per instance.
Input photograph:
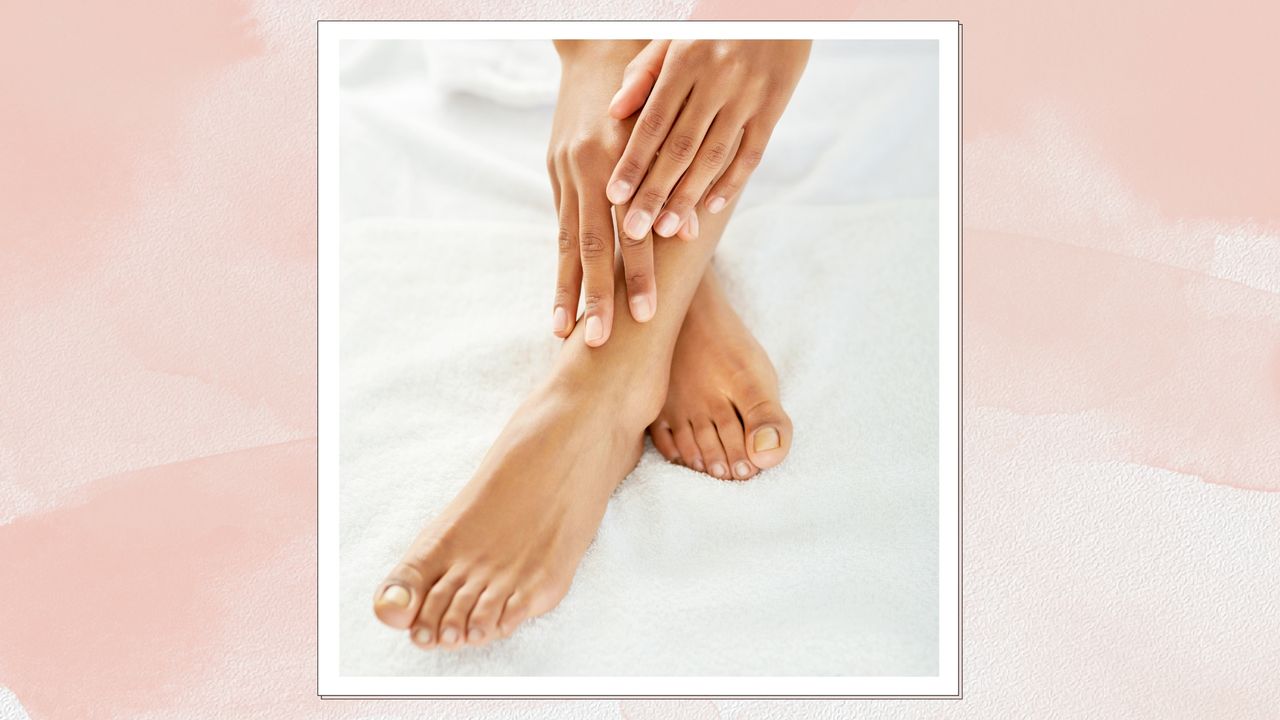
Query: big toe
{"points": [[768, 433], [398, 598]]}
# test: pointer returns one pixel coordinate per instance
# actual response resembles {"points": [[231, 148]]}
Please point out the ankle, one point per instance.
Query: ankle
{"points": [[629, 391]]}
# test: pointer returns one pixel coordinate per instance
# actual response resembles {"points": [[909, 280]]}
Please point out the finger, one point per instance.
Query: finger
{"points": [[595, 248], [750, 153], [637, 269], [568, 265], [638, 79], [714, 156], [652, 127], [678, 151]]}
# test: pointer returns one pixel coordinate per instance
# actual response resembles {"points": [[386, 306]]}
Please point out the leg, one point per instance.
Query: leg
{"points": [[506, 548], [722, 413]]}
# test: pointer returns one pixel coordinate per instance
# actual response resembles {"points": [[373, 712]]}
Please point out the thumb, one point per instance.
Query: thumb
{"points": [[638, 80]]}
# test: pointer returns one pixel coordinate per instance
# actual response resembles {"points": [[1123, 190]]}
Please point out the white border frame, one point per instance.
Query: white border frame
{"points": [[948, 681]]}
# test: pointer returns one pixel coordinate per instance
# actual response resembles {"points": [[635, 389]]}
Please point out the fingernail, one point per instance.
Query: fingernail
{"points": [[422, 636], [667, 224], [697, 464], [638, 223], [641, 310], [718, 470], [476, 635], [449, 636], [396, 595], [595, 329], [561, 320], [742, 469], [619, 191], [767, 439], [693, 224], [715, 204]]}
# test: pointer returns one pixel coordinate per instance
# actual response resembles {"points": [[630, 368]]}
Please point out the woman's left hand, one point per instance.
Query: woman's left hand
{"points": [[697, 97]]}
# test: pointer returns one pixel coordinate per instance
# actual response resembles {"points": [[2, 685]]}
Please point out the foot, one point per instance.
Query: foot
{"points": [[722, 415], [506, 548]]}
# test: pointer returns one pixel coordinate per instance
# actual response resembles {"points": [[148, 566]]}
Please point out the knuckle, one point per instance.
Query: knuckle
{"points": [[592, 244], [714, 153], [751, 158], [631, 243], [652, 122], [562, 294], [680, 148], [565, 241], [594, 299], [631, 167], [650, 197], [637, 278]]}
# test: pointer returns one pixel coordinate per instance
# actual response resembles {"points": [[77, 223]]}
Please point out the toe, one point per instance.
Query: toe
{"points": [[514, 612], [397, 599], [482, 628], [729, 430], [767, 433], [704, 431], [453, 626], [683, 435], [660, 432], [426, 628]]}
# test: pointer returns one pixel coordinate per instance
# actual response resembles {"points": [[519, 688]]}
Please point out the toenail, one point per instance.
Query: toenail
{"points": [[476, 635], [742, 469], [697, 464], [561, 320], [718, 470], [422, 636], [595, 329], [449, 636], [396, 595], [767, 439]]}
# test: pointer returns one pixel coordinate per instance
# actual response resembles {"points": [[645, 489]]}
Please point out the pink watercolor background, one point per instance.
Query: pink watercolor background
{"points": [[1122, 359]]}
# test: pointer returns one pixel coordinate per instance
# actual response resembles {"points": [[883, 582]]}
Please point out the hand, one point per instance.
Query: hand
{"points": [[697, 97], [585, 145]]}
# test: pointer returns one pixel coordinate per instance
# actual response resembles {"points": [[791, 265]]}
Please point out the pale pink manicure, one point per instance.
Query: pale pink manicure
{"points": [[595, 330], [715, 204], [637, 224], [618, 192], [667, 224], [561, 320], [641, 308]]}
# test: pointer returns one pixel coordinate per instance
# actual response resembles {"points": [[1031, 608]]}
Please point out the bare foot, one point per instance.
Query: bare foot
{"points": [[506, 548], [722, 415]]}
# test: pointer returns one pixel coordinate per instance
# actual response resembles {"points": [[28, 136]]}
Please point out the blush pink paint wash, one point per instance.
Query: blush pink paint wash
{"points": [[157, 294]]}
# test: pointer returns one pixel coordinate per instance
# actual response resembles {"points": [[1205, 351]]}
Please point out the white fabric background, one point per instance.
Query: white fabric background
{"points": [[826, 565]]}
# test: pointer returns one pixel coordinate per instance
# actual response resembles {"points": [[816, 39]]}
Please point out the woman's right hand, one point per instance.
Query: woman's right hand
{"points": [[586, 144]]}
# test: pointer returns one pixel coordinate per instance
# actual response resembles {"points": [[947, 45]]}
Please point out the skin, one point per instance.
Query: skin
{"points": [[698, 98], [722, 415], [507, 547], [705, 109], [585, 144]]}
